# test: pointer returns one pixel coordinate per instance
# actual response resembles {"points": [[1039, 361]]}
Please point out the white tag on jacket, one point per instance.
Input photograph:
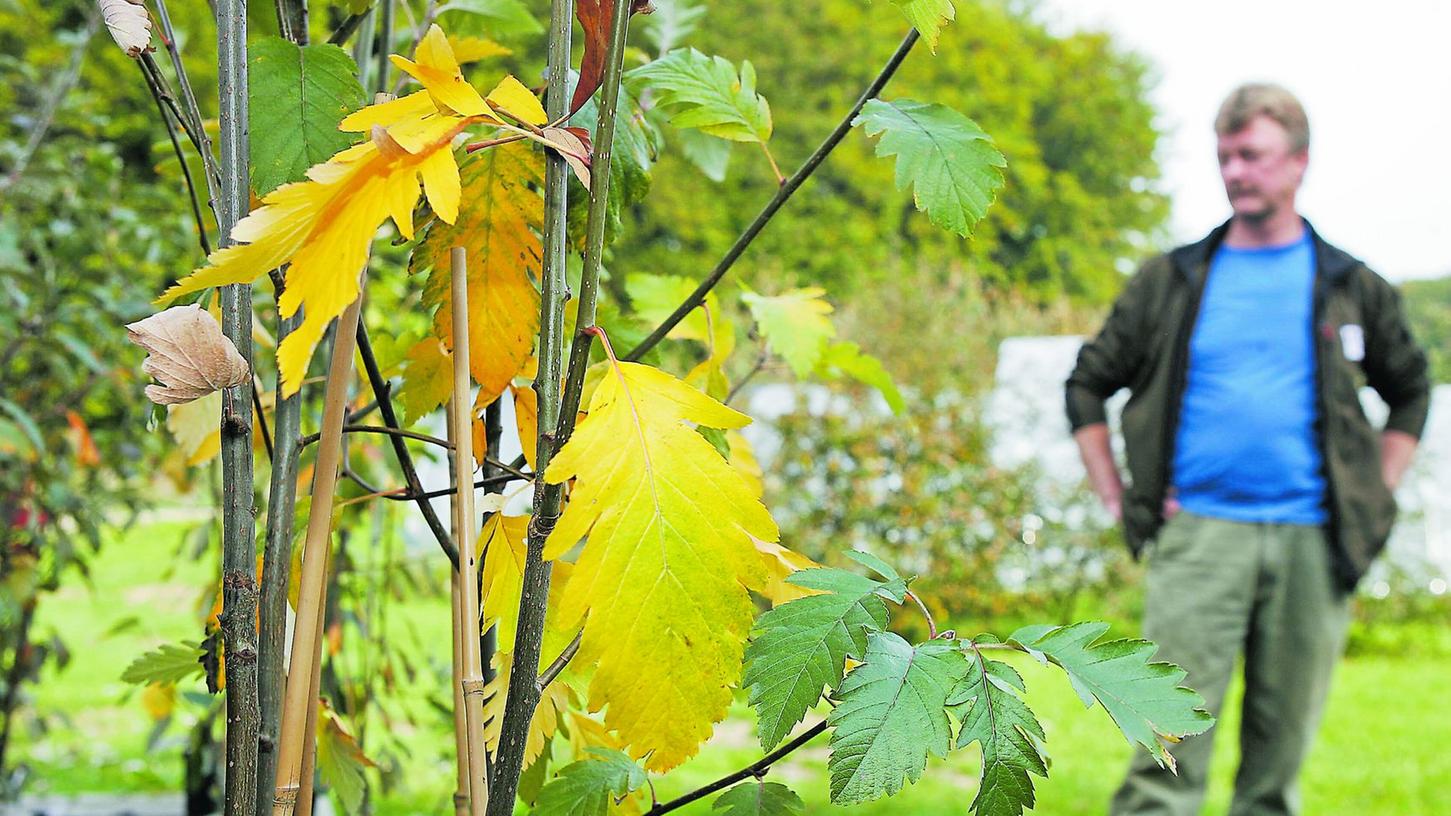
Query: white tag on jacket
{"points": [[1352, 342]]}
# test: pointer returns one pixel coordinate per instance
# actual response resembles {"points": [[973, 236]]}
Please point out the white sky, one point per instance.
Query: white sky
{"points": [[1375, 80]]}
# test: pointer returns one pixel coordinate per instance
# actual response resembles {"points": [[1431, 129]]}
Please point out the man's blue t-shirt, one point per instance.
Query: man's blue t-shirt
{"points": [[1247, 448]]}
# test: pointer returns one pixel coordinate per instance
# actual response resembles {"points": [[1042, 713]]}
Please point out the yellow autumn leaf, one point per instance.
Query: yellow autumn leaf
{"points": [[556, 700], [500, 232], [709, 375], [526, 419], [780, 563], [323, 226], [159, 700], [664, 573], [197, 427], [502, 546], [743, 459], [473, 49]]}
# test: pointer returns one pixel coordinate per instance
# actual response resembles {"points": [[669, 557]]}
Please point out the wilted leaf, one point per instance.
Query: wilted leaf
{"points": [[502, 544], [296, 98], [664, 573], [948, 160], [129, 24], [707, 94], [187, 354], [340, 759]]}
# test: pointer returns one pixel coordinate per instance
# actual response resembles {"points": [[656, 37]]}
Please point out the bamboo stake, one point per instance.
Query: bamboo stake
{"points": [[472, 683], [300, 700], [314, 694], [460, 716]]}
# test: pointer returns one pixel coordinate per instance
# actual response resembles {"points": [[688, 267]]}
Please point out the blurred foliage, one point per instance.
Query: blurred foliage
{"points": [[1070, 113], [1428, 307], [922, 491], [88, 231]]}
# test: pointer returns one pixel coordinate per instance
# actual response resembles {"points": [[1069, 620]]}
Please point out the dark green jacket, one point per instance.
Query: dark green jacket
{"points": [[1144, 346]]}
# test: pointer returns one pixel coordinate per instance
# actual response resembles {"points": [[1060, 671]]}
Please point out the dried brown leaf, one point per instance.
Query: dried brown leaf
{"points": [[129, 24], [187, 354]]}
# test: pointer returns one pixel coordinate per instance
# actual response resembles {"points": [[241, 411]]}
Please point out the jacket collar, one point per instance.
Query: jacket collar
{"points": [[1192, 260]]}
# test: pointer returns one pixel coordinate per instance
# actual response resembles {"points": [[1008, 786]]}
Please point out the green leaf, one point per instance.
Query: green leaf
{"points": [[636, 148], [846, 358], [707, 94], [801, 646], [170, 663], [670, 23], [794, 324], [503, 17], [588, 787], [295, 99], [759, 799], [951, 163], [876, 565], [654, 297], [892, 713], [709, 155], [1144, 699], [928, 17], [994, 716], [340, 762]]}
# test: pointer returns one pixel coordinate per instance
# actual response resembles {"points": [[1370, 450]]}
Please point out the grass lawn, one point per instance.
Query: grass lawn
{"points": [[1377, 752]]}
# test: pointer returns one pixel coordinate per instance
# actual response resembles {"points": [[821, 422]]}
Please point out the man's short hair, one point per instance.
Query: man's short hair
{"points": [[1264, 99]]}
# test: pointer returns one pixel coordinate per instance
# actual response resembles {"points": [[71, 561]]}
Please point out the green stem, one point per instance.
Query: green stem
{"points": [[782, 194], [523, 684], [239, 559], [594, 245]]}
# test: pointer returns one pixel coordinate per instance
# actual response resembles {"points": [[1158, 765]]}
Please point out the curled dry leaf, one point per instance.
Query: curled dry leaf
{"points": [[187, 354], [572, 144], [129, 24]]}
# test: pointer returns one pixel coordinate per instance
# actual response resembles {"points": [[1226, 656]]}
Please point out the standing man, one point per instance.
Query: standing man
{"points": [[1259, 492]]}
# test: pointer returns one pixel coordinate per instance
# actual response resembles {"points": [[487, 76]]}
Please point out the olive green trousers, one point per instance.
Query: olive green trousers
{"points": [[1218, 590]]}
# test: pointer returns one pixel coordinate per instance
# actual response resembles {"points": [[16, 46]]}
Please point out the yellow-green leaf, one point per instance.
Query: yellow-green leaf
{"points": [[427, 379], [795, 325], [669, 557]]}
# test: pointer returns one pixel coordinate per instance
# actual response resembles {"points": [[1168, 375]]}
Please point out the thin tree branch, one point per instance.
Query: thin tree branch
{"points": [[599, 192], [756, 769], [523, 686], [194, 128], [782, 194], [741, 383], [380, 429], [292, 20], [931, 624], [553, 669], [381, 392], [162, 110], [239, 556], [347, 28], [261, 420]]}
